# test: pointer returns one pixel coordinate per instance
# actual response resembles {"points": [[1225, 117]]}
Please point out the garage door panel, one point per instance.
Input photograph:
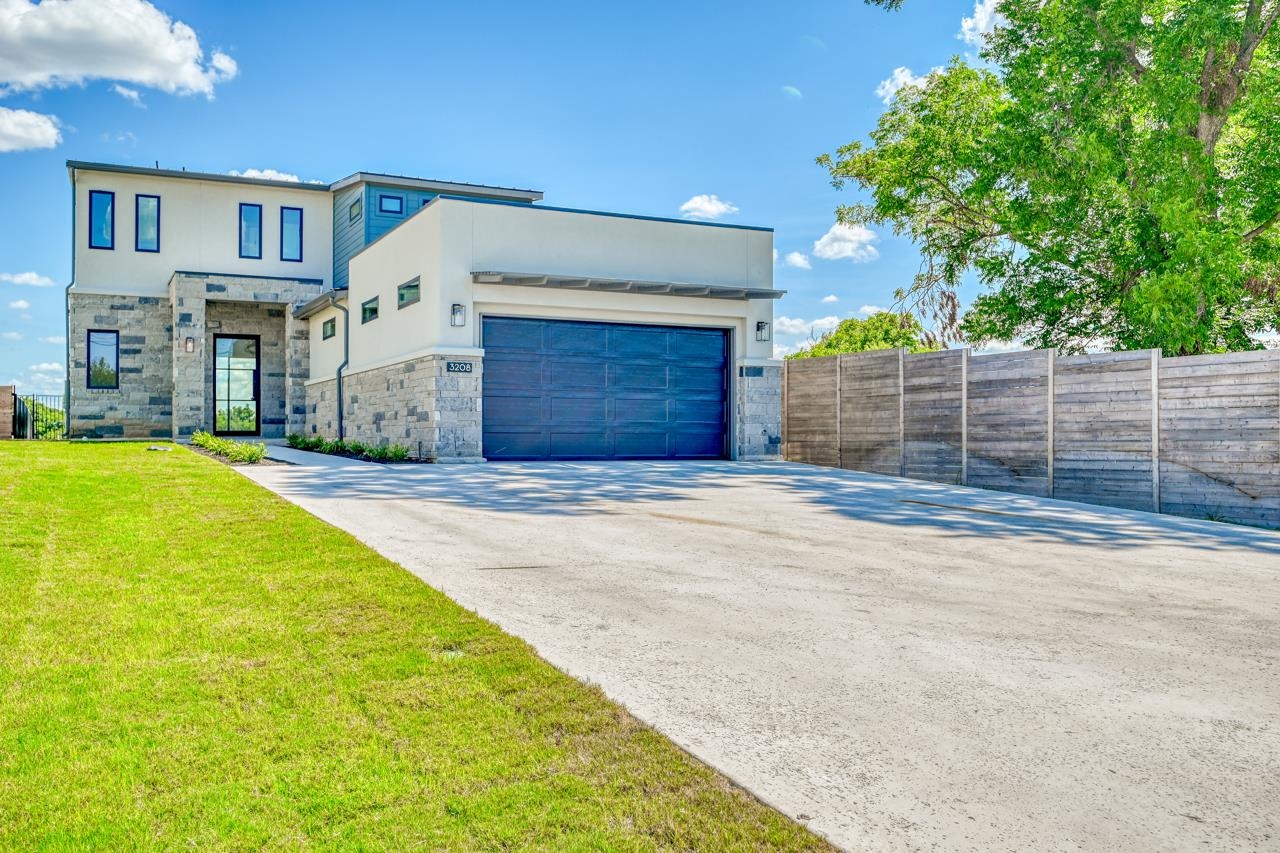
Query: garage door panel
{"points": [[641, 444], [587, 340], [578, 409], [505, 371], [578, 374], [627, 375], [628, 340], [557, 389], [580, 445]]}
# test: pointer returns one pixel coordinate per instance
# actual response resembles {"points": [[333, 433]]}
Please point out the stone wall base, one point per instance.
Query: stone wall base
{"points": [[758, 410]]}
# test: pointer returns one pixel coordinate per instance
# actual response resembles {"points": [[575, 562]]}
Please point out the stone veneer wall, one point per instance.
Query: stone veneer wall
{"points": [[6, 411], [415, 403], [758, 409], [142, 407]]}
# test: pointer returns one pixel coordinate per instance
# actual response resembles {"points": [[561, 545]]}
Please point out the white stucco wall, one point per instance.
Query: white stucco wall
{"points": [[445, 242], [199, 232]]}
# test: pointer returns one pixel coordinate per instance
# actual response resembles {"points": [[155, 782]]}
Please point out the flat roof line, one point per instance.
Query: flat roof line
{"points": [[638, 216], [82, 165]]}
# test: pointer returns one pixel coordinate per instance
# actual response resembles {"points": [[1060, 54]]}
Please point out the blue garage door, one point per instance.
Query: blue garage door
{"points": [[555, 389]]}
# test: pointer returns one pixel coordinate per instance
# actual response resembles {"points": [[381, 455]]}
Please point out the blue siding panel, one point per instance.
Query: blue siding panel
{"points": [[348, 237], [559, 389]]}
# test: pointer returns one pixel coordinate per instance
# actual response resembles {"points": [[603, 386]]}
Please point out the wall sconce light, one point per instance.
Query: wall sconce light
{"points": [[762, 331], [190, 345], [458, 315]]}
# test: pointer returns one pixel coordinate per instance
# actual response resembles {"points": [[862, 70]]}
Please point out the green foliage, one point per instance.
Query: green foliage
{"points": [[352, 449], [1115, 181], [232, 451], [102, 374], [884, 330], [48, 420]]}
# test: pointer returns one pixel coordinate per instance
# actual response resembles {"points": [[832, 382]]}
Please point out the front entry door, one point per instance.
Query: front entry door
{"points": [[235, 384]]}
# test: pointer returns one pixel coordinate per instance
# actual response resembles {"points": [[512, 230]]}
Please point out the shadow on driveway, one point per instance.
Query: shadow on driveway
{"points": [[590, 488]]}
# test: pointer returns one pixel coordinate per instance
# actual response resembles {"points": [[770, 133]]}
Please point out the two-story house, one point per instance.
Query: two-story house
{"points": [[465, 321]]}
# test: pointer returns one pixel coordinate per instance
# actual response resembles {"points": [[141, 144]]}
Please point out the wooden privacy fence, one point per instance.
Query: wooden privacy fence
{"points": [[1196, 435]]}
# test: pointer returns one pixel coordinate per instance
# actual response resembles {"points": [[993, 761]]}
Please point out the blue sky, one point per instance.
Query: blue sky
{"points": [[608, 106]]}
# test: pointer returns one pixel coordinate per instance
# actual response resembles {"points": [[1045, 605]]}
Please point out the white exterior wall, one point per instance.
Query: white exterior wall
{"points": [[199, 231], [325, 355], [447, 241]]}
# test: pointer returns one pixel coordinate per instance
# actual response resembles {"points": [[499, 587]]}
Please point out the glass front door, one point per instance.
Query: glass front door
{"points": [[235, 384]]}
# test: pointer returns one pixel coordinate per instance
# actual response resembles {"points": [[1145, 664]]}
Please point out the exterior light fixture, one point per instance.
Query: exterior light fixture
{"points": [[762, 331], [190, 345], [458, 315]]}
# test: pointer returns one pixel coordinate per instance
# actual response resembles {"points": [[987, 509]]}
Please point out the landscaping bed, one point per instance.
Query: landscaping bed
{"points": [[187, 661], [386, 453]]}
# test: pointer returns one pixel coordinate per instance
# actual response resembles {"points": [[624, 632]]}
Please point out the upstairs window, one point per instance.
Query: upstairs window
{"points": [[291, 234], [369, 310], [393, 204], [102, 219], [329, 328], [355, 209], [146, 223], [251, 231], [408, 293], [103, 363]]}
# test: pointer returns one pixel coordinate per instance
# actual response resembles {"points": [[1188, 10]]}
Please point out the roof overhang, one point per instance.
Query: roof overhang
{"points": [[625, 285], [74, 166], [318, 304], [440, 187]]}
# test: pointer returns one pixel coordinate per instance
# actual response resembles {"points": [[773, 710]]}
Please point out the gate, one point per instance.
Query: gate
{"points": [[38, 416]]}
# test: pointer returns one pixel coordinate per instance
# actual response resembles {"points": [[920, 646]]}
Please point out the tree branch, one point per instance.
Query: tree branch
{"points": [[1275, 217]]}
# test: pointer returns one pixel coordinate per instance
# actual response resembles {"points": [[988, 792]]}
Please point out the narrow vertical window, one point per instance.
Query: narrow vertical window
{"points": [[291, 234], [355, 209], [146, 223], [329, 328], [250, 230], [102, 219], [408, 293], [103, 362], [369, 310]]}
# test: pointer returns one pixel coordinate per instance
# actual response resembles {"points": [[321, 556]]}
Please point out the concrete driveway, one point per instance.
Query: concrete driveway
{"points": [[900, 665]]}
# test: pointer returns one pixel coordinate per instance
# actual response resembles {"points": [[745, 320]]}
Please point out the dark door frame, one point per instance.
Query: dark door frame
{"points": [[257, 385]]}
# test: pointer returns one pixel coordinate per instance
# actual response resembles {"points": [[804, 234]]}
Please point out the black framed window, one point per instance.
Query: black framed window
{"points": [[102, 219], [393, 204], [236, 377], [355, 209], [408, 293], [369, 310], [329, 328], [291, 234], [102, 365], [146, 223], [251, 231]]}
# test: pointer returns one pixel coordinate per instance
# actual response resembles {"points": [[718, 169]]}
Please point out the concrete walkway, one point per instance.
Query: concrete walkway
{"points": [[902, 666]]}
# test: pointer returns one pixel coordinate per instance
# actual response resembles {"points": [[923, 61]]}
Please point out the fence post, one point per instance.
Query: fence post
{"points": [[1053, 355], [785, 416], [8, 406], [964, 416], [1155, 430], [902, 412], [839, 406]]}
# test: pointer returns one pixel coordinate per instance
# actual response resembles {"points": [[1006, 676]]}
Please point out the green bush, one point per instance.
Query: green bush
{"points": [[232, 451], [350, 449]]}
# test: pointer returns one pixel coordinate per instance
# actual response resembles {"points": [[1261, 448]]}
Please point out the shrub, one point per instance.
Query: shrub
{"points": [[232, 451], [350, 449]]}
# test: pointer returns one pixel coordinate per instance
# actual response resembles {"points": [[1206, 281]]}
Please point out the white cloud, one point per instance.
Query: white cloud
{"points": [[53, 339], [974, 30], [266, 175], [899, 80], [793, 93], [19, 305], [852, 242], [798, 260], [11, 336], [23, 130], [707, 207], [775, 256], [45, 367], [784, 350], [993, 347], [30, 279], [68, 43], [133, 96], [796, 326], [868, 310], [830, 297]]}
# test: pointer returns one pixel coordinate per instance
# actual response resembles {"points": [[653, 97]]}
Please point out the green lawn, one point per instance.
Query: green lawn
{"points": [[188, 661]]}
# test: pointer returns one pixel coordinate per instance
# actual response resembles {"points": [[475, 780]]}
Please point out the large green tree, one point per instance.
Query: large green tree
{"points": [[883, 330], [1111, 173]]}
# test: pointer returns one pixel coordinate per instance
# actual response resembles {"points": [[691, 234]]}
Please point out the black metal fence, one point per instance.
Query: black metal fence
{"points": [[38, 416]]}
